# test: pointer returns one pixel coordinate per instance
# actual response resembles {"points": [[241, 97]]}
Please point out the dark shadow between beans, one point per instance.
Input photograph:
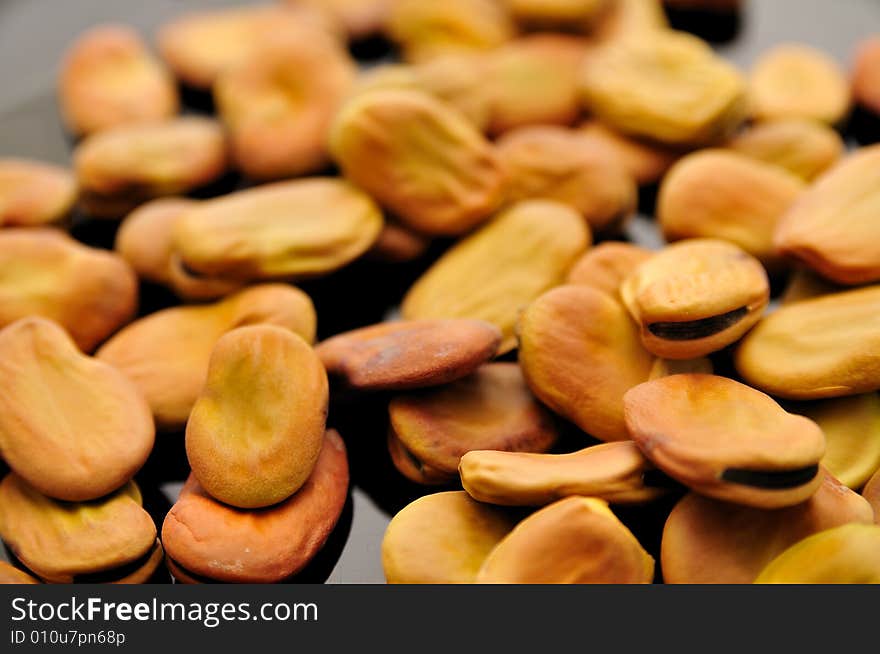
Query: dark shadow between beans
{"points": [[571, 437], [372, 50], [864, 126], [364, 427], [156, 503], [196, 101], [167, 462], [161, 575], [153, 298], [646, 522], [94, 232], [229, 182], [360, 294], [713, 26], [647, 205]]}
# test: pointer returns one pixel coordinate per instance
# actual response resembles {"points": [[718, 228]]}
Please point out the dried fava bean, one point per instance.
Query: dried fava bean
{"points": [[630, 18], [533, 80], [44, 272], [441, 539], [74, 427], [491, 409], [455, 78], [696, 297], [101, 540], [279, 104], [561, 164], [256, 431], [11, 575], [409, 354], [798, 81], [577, 540], [866, 75], [558, 14], [420, 158], [398, 244], [123, 167], [166, 354], [496, 272], [287, 230], [359, 18], [109, 78], [804, 147], [849, 554], [703, 195], [206, 541], [605, 266], [615, 472], [666, 86], [833, 228], [144, 240], [580, 353], [852, 435], [646, 162], [804, 284], [426, 29], [459, 79], [871, 492], [710, 542], [725, 440], [201, 45], [34, 193], [816, 348]]}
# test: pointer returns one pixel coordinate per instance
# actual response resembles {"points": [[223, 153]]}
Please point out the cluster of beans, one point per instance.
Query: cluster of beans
{"points": [[545, 387]]}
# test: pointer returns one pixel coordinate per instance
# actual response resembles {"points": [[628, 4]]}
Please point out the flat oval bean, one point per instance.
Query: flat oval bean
{"points": [[710, 542], [816, 348], [726, 440], [577, 540]]}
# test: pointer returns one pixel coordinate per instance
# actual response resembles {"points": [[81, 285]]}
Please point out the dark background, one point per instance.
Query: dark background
{"points": [[33, 36]]}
